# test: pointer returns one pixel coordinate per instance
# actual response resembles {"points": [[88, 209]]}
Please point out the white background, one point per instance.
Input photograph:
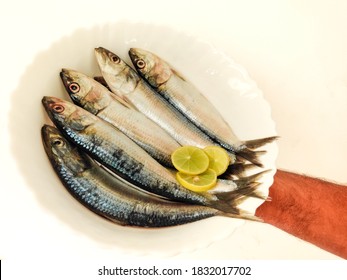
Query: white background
{"points": [[294, 50]]}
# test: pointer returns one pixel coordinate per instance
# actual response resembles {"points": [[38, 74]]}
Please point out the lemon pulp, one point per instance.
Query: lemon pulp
{"points": [[190, 160], [219, 159], [198, 183]]}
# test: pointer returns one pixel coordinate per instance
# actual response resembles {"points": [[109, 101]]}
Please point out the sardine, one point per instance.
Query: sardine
{"points": [[128, 85], [97, 99], [111, 197], [113, 149], [187, 99]]}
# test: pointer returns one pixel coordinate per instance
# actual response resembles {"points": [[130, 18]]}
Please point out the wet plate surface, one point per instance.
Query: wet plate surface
{"points": [[226, 84]]}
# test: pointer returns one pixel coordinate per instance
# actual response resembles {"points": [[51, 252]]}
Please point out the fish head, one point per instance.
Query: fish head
{"points": [[155, 70], [119, 76], [66, 114], [61, 152], [76, 84], [85, 91]]}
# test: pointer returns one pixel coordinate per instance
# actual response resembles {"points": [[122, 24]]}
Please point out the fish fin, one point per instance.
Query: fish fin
{"points": [[257, 143]]}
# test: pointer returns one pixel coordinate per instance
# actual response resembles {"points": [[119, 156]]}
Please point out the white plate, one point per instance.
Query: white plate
{"points": [[225, 83]]}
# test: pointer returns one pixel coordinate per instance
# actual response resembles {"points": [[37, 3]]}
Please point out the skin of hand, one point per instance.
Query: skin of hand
{"points": [[311, 209]]}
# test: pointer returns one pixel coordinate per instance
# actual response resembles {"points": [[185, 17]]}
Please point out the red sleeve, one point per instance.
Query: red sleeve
{"points": [[308, 208]]}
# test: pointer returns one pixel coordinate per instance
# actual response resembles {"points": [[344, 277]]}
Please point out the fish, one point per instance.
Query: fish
{"points": [[126, 83], [234, 171], [118, 153], [97, 99], [111, 197], [89, 94], [188, 100]]}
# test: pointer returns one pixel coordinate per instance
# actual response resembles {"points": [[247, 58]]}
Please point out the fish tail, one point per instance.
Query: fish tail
{"points": [[232, 210], [242, 215], [252, 182], [257, 143], [246, 181], [237, 170], [229, 202], [250, 155], [246, 150], [248, 189]]}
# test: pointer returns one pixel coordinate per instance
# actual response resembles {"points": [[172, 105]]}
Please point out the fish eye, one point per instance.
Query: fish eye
{"points": [[58, 142], [58, 108], [140, 63], [74, 87], [115, 58]]}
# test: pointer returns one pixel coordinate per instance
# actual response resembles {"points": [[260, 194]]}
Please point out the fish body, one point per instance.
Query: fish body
{"points": [[128, 85], [97, 99], [182, 94], [111, 197], [188, 100], [120, 154]]}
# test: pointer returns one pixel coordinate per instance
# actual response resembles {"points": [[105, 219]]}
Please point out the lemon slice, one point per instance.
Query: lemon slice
{"points": [[198, 183], [190, 160], [219, 159]]}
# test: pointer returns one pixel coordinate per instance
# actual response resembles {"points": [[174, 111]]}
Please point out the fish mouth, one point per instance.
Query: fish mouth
{"points": [[48, 132], [65, 77], [101, 54], [103, 51], [54, 144], [48, 101], [100, 49], [133, 53], [105, 56], [51, 104]]}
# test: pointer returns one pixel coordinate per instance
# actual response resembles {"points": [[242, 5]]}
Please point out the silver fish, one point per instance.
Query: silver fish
{"points": [[111, 197], [235, 171], [97, 99], [128, 85], [185, 97], [120, 154]]}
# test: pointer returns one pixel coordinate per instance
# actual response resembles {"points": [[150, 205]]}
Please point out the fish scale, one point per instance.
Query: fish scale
{"points": [[97, 99], [112, 198], [141, 96], [151, 176], [188, 100], [118, 153]]}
